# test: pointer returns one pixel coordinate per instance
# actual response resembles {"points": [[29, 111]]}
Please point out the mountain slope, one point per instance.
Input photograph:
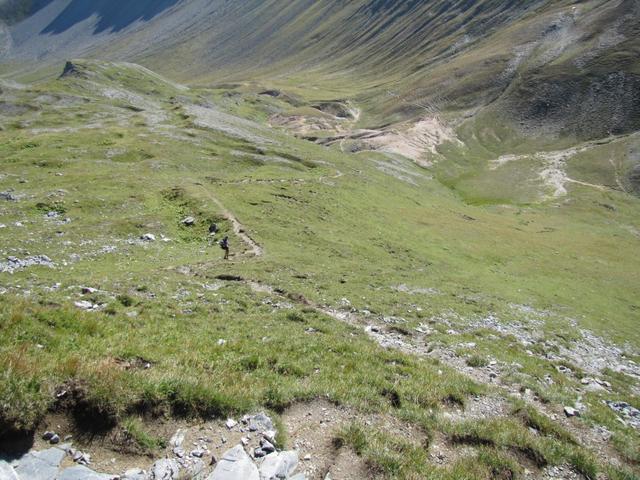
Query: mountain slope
{"points": [[445, 339], [433, 218], [554, 66]]}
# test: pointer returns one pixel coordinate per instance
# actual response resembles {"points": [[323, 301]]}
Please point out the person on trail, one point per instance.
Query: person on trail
{"points": [[224, 244]]}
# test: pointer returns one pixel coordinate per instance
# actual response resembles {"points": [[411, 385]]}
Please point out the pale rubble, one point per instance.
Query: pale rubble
{"points": [[13, 264]]}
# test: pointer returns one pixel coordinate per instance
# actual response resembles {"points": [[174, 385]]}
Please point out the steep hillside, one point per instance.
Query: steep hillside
{"points": [[388, 328], [432, 209], [425, 77], [554, 60]]}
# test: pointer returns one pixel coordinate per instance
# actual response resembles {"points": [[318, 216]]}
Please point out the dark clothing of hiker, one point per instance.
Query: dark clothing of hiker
{"points": [[224, 244], [213, 229]]}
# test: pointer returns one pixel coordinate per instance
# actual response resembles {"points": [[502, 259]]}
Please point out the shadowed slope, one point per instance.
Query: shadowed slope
{"points": [[113, 16]]}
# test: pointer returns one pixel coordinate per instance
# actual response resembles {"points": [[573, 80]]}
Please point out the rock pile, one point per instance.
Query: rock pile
{"points": [[630, 415], [14, 263], [254, 458], [8, 196]]}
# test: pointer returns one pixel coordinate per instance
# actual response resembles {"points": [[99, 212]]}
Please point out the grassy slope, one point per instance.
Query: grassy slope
{"points": [[356, 236]]}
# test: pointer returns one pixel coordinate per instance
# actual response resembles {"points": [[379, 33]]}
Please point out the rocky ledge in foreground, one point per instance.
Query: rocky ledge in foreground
{"points": [[263, 462]]}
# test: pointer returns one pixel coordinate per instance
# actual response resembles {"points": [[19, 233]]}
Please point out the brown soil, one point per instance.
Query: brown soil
{"points": [[312, 427]]}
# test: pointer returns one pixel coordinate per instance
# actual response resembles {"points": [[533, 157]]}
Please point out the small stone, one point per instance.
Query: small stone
{"points": [[179, 452], [260, 423], [48, 435], [267, 446], [197, 453], [178, 438], [55, 439], [230, 423], [87, 290], [270, 435], [571, 412], [84, 305], [188, 221], [148, 237], [221, 341], [259, 453], [307, 457]]}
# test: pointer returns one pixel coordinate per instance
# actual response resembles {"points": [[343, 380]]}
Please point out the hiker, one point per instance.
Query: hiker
{"points": [[224, 244], [213, 229]]}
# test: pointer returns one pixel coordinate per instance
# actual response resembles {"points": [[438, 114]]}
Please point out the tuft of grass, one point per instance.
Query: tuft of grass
{"points": [[476, 361], [135, 431], [532, 418]]}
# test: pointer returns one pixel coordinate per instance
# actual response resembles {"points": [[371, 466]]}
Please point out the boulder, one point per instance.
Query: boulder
{"points": [[276, 466], [235, 465], [135, 474], [40, 465], [80, 472], [165, 469], [195, 469], [6, 471], [188, 221]]}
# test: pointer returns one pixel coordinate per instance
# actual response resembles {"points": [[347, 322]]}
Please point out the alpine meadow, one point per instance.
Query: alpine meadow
{"points": [[319, 239]]}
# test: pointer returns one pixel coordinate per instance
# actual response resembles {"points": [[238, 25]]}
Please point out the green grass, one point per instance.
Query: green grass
{"points": [[329, 240], [136, 432]]}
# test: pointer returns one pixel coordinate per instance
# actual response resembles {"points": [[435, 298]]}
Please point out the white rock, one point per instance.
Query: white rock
{"points": [[178, 438], [6, 472], [235, 465], [280, 465], [571, 412], [84, 305], [135, 474], [165, 469]]}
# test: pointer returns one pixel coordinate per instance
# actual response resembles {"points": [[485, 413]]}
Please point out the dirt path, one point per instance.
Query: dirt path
{"points": [[238, 229]]}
